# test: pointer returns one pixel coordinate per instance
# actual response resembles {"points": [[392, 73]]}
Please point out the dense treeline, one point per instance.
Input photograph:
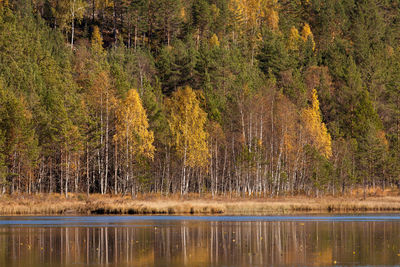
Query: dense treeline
{"points": [[252, 97]]}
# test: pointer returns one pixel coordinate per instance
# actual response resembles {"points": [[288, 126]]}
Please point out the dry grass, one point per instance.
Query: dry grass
{"points": [[194, 204]]}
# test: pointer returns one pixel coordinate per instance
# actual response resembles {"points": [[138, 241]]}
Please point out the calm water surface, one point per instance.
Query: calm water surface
{"points": [[339, 240]]}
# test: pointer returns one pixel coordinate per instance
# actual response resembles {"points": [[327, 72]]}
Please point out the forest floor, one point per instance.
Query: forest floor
{"points": [[19, 204]]}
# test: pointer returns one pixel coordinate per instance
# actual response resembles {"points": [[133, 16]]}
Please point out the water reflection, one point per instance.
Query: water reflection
{"points": [[204, 243]]}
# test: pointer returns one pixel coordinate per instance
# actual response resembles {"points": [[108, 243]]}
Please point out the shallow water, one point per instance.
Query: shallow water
{"points": [[313, 240]]}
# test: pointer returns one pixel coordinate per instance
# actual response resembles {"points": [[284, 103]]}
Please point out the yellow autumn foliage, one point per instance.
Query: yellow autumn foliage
{"points": [[306, 34], [253, 12], [132, 126], [273, 18], [382, 138], [294, 39], [183, 13], [316, 129], [97, 41], [187, 124], [214, 42], [3, 3]]}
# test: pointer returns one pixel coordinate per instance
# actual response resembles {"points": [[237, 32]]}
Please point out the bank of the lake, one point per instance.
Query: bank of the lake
{"points": [[192, 204]]}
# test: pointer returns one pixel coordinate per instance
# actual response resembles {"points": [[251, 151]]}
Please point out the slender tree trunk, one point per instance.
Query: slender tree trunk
{"points": [[211, 169], [87, 170], [73, 24], [93, 9], [365, 188], [41, 167], [115, 22], [129, 34], [101, 167], [168, 160], [77, 175], [13, 171], [99, 170], [183, 182], [66, 173], [106, 145], [30, 183], [19, 177], [136, 32], [127, 155], [115, 168], [51, 176], [61, 174]]}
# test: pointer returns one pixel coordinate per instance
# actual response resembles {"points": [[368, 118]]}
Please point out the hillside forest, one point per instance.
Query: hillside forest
{"points": [[246, 97]]}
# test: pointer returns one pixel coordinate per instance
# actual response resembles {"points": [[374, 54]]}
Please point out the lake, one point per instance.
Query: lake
{"points": [[313, 240]]}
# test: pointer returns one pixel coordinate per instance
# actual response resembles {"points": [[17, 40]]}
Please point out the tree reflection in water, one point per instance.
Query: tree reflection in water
{"points": [[203, 243]]}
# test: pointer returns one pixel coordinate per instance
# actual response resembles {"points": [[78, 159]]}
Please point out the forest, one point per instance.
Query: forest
{"points": [[255, 98]]}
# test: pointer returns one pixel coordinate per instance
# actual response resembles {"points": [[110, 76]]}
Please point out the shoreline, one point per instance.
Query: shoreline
{"points": [[80, 204]]}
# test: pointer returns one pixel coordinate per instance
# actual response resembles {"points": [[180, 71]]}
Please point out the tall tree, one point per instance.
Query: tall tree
{"points": [[187, 124], [315, 129], [132, 135]]}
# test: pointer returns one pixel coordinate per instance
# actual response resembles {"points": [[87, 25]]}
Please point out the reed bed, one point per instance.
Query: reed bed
{"points": [[191, 204]]}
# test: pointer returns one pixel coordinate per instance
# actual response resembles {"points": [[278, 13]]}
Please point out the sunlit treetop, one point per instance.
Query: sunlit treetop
{"points": [[307, 34], [316, 129], [97, 40]]}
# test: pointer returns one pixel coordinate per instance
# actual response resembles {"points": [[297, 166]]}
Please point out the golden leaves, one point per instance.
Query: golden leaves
{"points": [[316, 130], [3, 3], [306, 34], [254, 12], [273, 19], [294, 38], [182, 13], [214, 42], [132, 126], [382, 138], [97, 41], [187, 124]]}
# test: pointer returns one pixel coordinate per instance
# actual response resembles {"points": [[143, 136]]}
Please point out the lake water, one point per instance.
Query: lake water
{"points": [[312, 240]]}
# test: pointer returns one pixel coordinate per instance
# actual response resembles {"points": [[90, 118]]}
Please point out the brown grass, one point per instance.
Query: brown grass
{"points": [[194, 204]]}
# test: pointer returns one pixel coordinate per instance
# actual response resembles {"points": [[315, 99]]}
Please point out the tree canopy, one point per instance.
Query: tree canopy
{"points": [[253, 97]]}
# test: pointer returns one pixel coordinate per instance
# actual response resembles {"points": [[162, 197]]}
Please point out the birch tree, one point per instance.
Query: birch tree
{"points": [[187, 124], [76, 12], [316, 128], [132, 134]]}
